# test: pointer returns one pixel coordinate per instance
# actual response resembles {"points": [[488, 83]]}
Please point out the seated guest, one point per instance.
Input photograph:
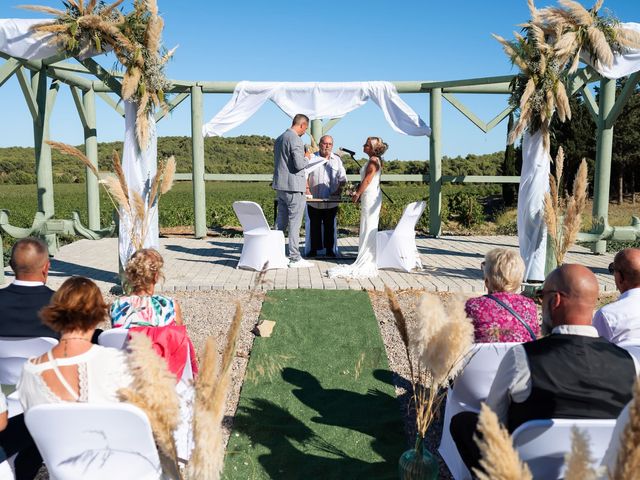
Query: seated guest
{"points": [[21, 301], [15, 438], [564, 375], [325, 182], [75, 370], [503, 315], [143, 308], [619, 322]]}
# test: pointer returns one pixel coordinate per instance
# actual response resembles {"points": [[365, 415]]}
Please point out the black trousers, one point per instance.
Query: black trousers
{"points": [[318, 218], [463, 427], [17, 439]]}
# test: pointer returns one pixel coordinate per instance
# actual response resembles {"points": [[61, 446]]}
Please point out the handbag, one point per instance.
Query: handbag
{"points": [[512, 312]]}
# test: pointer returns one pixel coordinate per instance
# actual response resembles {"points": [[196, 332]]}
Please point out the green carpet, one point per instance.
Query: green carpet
{"points": [[317, 401]]}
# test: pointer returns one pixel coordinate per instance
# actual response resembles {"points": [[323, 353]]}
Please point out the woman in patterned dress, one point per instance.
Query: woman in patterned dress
{"points": [[144, 308], [493, 314]]}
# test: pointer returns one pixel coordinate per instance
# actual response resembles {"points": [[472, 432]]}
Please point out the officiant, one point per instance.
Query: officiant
{"points": [[325, 182]]}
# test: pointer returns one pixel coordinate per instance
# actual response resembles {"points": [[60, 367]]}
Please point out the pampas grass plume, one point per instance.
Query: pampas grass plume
{"points": [[628, 461], [398, 316], [74, 152], [578, 461], [499, 460], [169, 175]]}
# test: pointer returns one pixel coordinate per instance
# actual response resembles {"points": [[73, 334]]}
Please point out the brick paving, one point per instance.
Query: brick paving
{"points": [[451, 264]]}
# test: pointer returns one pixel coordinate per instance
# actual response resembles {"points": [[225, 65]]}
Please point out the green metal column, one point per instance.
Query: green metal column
{"points": [[435, 163], [316, 130], [91, 150], [197, 145], [44, 171], [602, 174]]}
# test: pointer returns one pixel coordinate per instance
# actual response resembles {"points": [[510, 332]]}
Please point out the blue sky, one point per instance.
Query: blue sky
{"points": [[318, 41]]}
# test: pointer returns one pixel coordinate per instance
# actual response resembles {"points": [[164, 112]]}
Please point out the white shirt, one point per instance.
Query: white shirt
{"points": [[512, 382], [102, 372], [27, 283], [326, 179], [619, 321], [3, 403]]}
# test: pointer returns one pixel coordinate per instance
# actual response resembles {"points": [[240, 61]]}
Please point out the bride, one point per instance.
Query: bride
{"points": [[370, 198]]}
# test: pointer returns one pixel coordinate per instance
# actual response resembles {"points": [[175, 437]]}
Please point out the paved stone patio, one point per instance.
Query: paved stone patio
{"points": [[451, 264]]}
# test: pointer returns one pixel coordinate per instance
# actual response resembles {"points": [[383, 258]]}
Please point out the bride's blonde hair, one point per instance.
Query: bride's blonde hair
{"points": [[378, 146]]}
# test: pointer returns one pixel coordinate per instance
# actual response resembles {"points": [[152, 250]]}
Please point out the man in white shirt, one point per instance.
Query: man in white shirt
{"points": [[619, 321], [325, 182], [564, 375]]}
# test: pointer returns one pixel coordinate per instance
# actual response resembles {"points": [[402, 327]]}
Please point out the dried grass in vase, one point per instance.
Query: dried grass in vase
{"points": [[563, 216], [436, 347], [628, 461], [579, 461]]}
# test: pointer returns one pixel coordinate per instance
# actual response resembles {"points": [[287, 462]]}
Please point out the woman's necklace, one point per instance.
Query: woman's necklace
{"points": [[65, 340]]}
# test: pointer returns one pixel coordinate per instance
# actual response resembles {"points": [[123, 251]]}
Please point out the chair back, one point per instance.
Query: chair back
{"points": [[472, 385], [114, 338], [543, 444], [410, 217], [14, 351], [81, 441], [251, 216]]}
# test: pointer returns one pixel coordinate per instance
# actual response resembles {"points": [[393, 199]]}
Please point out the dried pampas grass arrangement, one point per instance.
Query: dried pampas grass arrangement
{"points": [[135, 38], [212, 388], [436, 346], [563, 216], [550, 50], [578, 461], [153, 390], [125, 200], [628, 461], [499, 460]]}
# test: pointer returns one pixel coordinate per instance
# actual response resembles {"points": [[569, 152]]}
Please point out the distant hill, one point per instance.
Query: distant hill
{"points": [[243, 154]]}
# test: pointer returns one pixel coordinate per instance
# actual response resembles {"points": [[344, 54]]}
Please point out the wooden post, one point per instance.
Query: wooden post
{"points": [[435, 164], [91, 150], [197, 144]]}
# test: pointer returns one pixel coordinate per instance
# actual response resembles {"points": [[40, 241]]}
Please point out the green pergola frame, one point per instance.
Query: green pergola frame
{"points": [[40, 81]]}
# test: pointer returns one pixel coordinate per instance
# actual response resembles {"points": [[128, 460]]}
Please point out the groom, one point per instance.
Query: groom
{"points": [[289, 182]]}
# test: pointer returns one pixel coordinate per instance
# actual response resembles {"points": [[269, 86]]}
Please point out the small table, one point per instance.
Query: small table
{"points": [[309, 200]]}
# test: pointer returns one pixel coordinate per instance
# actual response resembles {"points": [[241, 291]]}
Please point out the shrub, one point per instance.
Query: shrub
{"points": [[466, 209]]}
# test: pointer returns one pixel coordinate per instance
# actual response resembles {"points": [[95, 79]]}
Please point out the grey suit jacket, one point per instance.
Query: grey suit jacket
{"points": [[289, 163]]}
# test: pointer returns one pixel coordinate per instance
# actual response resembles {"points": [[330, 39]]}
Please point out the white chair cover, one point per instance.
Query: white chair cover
{"points": [[82, 441], [469, 390], [543, 444], [114, 338], [307, 234], [261, 244], [397, 248], [14, 351]]}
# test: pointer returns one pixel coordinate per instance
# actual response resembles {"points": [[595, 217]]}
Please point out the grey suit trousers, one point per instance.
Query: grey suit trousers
{"points": [[291, 207]]}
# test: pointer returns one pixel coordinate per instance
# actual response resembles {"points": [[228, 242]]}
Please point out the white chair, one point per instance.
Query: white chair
{"points": [[81, 441], [470, 389], [14, 351], [397, 248], [114, 338], [543, 444], [262, 246]]}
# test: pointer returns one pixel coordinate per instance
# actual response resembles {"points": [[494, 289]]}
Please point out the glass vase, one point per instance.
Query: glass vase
{"points": [[418, 463]]}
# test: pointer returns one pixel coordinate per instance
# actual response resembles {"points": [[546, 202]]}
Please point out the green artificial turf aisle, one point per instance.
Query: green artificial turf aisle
{"points": [[317, 401]]}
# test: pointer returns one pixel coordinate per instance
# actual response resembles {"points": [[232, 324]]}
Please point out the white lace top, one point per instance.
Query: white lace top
{"points": [[102, 372]]}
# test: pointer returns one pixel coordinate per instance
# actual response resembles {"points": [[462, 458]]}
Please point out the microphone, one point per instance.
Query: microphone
{"points": [[347, 151]]}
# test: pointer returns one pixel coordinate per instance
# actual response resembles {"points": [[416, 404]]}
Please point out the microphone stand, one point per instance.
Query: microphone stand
{"points": [[360, 166]]}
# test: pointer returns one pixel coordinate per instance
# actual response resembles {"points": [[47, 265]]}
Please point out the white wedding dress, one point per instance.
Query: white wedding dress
{"points": [[365, 265]]}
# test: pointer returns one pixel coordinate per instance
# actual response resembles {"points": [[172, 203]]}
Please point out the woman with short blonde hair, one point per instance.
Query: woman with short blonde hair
{"points": [[503, 315]]}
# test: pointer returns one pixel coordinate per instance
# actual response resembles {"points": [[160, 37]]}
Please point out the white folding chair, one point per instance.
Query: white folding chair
{"points": [[81, 441], [397, 248], [261, 244], [14, 351], [114, 338], [543, 444], [470, 389]]}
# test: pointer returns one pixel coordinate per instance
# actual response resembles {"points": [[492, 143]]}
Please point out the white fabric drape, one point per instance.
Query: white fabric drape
{"points": [[316, 100], [623, 64], [17, 39], [139, 170], [534, 183]]}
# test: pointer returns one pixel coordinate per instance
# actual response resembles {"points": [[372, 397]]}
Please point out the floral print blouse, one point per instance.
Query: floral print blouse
{"points": [[143, 311], [494, 323]]}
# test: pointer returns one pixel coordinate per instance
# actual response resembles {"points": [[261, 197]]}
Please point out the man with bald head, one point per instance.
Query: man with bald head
{"points": [[21, 301], [619, 321], [566, 374]]}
